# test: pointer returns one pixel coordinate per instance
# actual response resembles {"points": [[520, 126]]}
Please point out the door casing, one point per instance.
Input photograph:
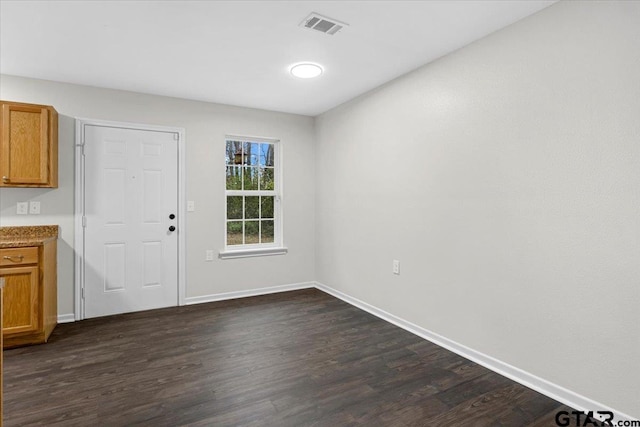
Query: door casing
{"points": [[79, 240]]}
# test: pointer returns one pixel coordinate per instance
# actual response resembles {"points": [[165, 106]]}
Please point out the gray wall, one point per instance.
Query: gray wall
{"points": [[206, 125], [506, 179]]}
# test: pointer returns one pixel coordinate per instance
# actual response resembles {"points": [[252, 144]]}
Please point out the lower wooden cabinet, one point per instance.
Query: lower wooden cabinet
{"points": [[1, 355], [30, 294]]}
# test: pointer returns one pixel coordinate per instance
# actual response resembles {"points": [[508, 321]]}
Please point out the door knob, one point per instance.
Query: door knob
{"points": [[172, 228], [172, 216]]}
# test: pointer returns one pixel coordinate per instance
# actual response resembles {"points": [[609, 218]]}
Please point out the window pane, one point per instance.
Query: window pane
{"points": [[234, 153], [250, 169], [234, 207], [251, 153], [266, 154], [252, 207], [266, 179], [267, 232], [234, 178], [234, 233], [251, 232], [250, 178], [267, 207]]}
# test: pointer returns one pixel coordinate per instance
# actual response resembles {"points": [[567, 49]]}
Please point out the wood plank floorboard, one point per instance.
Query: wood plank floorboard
{"points": [[301, 358]]}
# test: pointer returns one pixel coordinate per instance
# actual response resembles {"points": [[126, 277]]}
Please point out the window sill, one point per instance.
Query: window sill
{"points": [[247, 253]]}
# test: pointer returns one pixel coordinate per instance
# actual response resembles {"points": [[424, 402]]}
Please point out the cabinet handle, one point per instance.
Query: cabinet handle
{"points": [[11, 258], [5, 178]]}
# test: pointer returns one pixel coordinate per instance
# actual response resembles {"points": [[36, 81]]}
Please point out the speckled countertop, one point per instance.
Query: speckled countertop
{"points": [[29, 235]]}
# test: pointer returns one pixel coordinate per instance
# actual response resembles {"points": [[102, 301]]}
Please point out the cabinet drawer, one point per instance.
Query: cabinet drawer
{"points": [[18, 256]]}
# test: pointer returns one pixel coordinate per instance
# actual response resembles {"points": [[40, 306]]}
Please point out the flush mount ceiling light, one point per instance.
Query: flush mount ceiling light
{"points": [[306, 70]]}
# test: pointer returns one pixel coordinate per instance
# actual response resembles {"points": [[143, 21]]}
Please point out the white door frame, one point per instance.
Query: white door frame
{"points": [[79, 240]]}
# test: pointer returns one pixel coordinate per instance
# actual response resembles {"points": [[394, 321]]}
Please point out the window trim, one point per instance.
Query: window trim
{"points": [[257, 249], [249, 253]]}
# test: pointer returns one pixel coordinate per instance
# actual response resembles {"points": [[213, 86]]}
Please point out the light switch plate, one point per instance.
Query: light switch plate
{"points": [[34, 208], [396, 267], [191, 206], [208, 255], [22, 208]]}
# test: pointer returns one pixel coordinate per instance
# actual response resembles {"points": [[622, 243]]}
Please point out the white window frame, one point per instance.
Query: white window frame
{"points": [[257, 249]]}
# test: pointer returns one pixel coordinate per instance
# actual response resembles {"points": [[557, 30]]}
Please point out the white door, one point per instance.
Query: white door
{"points": [[130, 195]]}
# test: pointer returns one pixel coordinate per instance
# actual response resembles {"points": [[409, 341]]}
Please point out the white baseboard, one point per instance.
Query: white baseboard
{"points": [[66, 318], [248, 293], [70, 317], [527, 379]]}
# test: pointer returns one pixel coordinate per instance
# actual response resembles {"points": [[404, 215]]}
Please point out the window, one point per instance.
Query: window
{"points": [[252, 196]]}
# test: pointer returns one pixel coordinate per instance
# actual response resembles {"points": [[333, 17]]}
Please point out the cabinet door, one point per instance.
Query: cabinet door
{"points": [[25, 145], [20, 310]]}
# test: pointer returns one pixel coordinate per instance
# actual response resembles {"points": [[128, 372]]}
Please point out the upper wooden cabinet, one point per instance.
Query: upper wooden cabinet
{"points": [[28, 145]]}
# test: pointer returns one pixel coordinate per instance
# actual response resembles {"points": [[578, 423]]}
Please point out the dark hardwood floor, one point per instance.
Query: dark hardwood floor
{"points": [[299, 358]]}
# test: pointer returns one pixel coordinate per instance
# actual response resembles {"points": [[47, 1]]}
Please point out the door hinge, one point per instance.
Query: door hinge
{"points": [[82, 292], [176, 137], [84, 221]]}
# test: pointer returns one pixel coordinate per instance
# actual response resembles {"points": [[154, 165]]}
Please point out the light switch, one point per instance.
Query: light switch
{"points": [[34, 208], [22, 208], [191, 206]]}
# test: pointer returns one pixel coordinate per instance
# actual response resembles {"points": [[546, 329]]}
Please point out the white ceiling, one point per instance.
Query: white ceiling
{"points": [[238, 52]]}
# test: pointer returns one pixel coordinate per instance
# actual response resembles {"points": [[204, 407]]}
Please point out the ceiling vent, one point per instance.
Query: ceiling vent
{"points": [[323, 24]]}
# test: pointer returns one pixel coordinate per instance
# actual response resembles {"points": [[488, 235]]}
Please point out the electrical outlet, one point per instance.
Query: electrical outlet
{"points": [[34, 208], [191, 206], [208, 255], [22, 208], [396, 267]]}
